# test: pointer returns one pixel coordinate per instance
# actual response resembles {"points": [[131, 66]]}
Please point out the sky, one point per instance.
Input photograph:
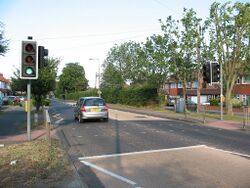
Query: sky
{"points": [[80, 30]]}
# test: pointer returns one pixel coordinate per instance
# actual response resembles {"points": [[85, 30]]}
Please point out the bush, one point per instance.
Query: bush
{"points": [[46, 102], [214, 102], [77, 95], [134, 95], [236, 103]]}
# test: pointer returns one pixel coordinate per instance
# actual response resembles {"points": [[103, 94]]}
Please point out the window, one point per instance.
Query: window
{"points": [[94, 102], [247, 80], [173, 85], [180, 85]]}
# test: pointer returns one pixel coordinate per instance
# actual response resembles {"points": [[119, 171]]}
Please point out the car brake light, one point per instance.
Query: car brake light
{"points": [[83, 109], [106, 108]]}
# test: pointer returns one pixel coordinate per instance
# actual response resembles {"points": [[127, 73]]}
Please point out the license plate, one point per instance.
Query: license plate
{"points": [[95, 110]]}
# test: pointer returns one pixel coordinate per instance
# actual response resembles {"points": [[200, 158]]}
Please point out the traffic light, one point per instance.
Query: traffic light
{"points": [[42, 54], [206, 73], [215, 72], [29, 67]]}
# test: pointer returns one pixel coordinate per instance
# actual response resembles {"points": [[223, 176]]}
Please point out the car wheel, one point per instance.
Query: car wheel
{"points": [[80, 120], [106, 119]]}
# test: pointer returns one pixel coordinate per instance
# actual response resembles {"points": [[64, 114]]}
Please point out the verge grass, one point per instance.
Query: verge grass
{"points": [[36, 163]]}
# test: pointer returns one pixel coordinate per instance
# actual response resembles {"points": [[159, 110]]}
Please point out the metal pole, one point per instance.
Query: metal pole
{"points": [[28, 113], [99, 74], [221, 92]]}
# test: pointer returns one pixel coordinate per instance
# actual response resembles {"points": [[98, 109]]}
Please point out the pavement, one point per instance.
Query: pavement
{"points": [[221, 124]]}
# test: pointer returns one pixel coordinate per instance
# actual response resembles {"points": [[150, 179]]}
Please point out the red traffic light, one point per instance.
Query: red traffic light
{"points": [[29, 47]]}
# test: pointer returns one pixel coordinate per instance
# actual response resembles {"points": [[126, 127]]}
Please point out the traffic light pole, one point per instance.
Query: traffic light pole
{"points": [[28, 113]]}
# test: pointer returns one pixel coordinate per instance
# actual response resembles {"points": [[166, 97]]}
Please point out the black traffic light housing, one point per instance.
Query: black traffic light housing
{"points": [[206, 73], [215, 72], [42, 57], [29, 66]]}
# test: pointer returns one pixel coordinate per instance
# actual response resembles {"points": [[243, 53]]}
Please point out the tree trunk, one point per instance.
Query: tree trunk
{"points": [[228, 98]]}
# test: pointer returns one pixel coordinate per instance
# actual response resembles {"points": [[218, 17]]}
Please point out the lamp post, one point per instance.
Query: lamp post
{"points": [[98, 74]]}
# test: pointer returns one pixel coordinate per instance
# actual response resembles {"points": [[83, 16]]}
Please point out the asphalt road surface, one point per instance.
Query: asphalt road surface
{"points": [[134, 150]]}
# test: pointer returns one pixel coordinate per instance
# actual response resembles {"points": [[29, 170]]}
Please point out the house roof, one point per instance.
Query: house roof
{"points": [[4, 79]]}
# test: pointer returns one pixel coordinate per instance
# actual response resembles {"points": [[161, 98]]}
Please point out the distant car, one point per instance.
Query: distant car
{"points": [[5, 100], [11, 99], [22, 98], [91, 108]]}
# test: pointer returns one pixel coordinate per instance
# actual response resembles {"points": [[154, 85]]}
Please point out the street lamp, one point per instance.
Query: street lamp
{"points": [[97, 75]]}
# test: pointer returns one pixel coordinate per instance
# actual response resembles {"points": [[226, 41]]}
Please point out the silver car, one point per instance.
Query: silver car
{"points": [[91, 108]]}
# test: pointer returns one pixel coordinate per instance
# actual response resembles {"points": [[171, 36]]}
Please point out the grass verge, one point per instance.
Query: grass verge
{"points": [[37, 164]]}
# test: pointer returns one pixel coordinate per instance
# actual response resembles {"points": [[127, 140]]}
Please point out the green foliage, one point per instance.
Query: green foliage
{"points": [[214, 102], [111, 94], [77, 95], [229, 41], [46, 102], [236, 103], [133, 95], [72, 79], [3, 42]]}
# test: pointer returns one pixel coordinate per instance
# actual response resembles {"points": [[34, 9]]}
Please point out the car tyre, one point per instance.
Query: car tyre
{"points": [[80, 120], [106, 119]]}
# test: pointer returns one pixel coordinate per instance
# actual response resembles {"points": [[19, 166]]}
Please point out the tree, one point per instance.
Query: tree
{"points": [[45, 83], [42, 86], [111, 77], [72, 79], [230, 39], [3, 41], [129, 60], [158, 52], [183, 44]]}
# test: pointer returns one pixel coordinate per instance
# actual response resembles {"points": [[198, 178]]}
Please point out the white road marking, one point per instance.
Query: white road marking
{"points": [[139, 152], [1, 145], [56, 115], [230, 152], [58, 121], [126, 180]]}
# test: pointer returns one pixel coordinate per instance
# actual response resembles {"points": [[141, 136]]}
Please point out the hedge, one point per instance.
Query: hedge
{"points": [[75, 96], [135, 96]]}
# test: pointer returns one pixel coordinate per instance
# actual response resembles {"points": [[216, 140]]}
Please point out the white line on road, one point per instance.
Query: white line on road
{"points": [[1, 145], [56, 115], [126, 180], [230, 152], [58, 121], [140, 152]]}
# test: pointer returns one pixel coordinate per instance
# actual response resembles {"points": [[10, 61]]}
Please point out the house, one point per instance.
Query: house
{"points": [[174, 89], [4, 86]]}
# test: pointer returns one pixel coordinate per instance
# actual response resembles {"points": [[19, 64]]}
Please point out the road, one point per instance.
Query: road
{"points": [[134, 150]]}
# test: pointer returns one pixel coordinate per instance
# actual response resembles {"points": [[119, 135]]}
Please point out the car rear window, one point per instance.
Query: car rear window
{"points": [[94, 102]]}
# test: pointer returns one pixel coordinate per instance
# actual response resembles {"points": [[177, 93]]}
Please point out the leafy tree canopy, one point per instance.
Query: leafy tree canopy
{"points": [[72, 79], [3, 42]]}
